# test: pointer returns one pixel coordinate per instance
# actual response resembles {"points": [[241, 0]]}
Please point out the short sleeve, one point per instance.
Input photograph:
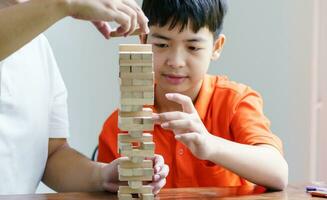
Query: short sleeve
{"points": [[58, 115], [249, 125]]}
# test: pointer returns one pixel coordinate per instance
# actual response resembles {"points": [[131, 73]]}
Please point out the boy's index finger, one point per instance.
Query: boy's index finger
{"points": [[183, 100]]}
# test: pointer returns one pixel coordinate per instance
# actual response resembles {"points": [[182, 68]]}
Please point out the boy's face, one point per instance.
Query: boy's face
{"points": [[181, 59]]}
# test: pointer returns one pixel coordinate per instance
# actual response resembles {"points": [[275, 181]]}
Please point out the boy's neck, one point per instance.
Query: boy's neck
{"points": [[162, 104]]}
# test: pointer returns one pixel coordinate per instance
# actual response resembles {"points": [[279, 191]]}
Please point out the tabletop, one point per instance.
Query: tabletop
{"points": [[211, 193]]}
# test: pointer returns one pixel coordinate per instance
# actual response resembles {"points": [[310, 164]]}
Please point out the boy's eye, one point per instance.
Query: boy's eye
{"points": [[194, 48], [161, 45]]}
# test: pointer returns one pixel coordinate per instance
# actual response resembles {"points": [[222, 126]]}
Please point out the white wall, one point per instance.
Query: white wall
{"points": [[269, 45]]}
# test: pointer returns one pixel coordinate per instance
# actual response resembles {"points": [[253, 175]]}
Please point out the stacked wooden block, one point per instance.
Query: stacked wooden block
{"points": [[137, 89]]}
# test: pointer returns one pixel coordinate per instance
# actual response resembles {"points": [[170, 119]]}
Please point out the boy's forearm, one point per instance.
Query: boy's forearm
{"points": [[22, 22], [260, 164], [68, 171]]}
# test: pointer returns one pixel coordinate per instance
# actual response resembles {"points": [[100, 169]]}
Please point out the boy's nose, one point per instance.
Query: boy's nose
{"points": [[176, 59]]}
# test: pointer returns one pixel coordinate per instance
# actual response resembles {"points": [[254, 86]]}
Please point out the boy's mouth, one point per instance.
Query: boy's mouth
{"points": [[174, 78]]}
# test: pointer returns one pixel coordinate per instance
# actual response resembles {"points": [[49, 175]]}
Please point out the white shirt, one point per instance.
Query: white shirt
{"points": [[33, 108]]}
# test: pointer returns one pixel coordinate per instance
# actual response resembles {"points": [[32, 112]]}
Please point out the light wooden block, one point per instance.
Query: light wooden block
{"points": [[125, 55], [125, 146], [137, 69], [132, 109], [136, 127], [147, 63], [126, 138], [147, 95], [135, 178], [149, 196], [135, 102], [138, 82], [128, 164], [135, 184], [138, 159], [136, 56], [148, 88], [125, 172], [142, 190], [147, 69], [145, 112], [126, 69], [135, 47], [140, 76], [147, 56], [126, 82], [125, 197], [147, 145], [135, 134], [138, 153]]}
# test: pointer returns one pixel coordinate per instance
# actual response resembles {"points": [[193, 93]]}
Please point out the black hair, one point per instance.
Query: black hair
{"points": [[199, 13]]}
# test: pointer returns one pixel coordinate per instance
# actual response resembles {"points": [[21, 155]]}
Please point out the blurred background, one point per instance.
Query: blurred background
{"points": [[278, 48]]}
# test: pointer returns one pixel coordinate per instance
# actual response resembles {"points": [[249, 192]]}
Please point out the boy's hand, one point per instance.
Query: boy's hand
{"points": [[109, 175], [124, 12], [187, 126]]}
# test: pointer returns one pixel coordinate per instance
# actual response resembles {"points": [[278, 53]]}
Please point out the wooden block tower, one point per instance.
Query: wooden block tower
{"points": [[137, 89]]}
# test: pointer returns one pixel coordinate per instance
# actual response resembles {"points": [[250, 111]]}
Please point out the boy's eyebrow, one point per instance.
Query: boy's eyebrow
{"points": [[195, 39]]}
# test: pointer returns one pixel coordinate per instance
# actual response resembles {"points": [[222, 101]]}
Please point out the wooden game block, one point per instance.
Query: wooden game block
{"points": [[148, 88], [145, 112], [138, 153], [135, 120], [125, 197], [126, 138], [140, 76], [135, 134], [149, 196], [125, 146], [148, 63], [124, 55], [126, 82], [135, 102], [137, 159], [147, 146], [135, 47], [125, 172], [126, 69], [128, 164], [136, 56], [135, 178], [147, 95], [131, 108], [137, 69], [147, 69], [138, 82], [147, 56], [126, 95], [142, 190], [136, 127], [135, 184]]}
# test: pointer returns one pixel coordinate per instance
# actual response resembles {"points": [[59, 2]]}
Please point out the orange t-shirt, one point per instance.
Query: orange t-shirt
{"points": [[229, 110]]}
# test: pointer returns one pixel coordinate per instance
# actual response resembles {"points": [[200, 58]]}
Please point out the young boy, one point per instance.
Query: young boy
{"points": [[211, 131]]}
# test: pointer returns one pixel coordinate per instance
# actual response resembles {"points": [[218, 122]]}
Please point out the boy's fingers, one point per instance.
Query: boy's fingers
{"points": [[183, 100], [187, 138], [169, 116], [182, 124]]}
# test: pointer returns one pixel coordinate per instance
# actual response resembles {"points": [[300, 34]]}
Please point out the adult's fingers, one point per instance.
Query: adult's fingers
{"points": [[103, 27], [142, 20]]}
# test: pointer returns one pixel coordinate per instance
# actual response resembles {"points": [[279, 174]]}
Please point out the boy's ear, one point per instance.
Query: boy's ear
{"points": [[143, 38], [218, 47]]}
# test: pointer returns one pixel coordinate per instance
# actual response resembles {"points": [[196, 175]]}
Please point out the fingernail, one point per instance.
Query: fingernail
{"points": [[164, 125], [169, 95]]}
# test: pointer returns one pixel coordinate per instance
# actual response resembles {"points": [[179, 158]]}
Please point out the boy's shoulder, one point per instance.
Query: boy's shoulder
{"points": [[223, 83]]}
